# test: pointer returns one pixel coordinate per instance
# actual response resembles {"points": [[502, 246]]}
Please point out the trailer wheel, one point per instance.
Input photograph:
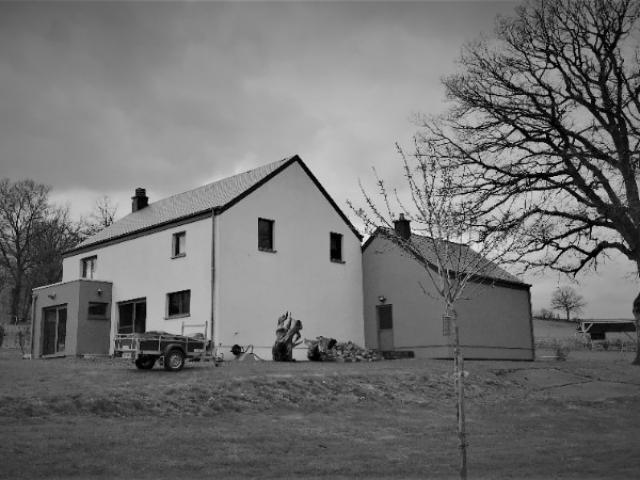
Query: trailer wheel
{"points": [[145, 362], [174, 360]]}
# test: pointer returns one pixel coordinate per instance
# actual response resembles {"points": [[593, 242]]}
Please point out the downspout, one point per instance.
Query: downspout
{"points": [[34, 298], [212, 318]]}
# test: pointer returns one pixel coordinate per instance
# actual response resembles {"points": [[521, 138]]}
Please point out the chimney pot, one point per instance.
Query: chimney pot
{"points": [[402, 227], [139, 200]]}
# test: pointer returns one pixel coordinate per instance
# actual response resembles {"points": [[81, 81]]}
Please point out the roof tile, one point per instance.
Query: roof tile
{"points": [[186, 204]]}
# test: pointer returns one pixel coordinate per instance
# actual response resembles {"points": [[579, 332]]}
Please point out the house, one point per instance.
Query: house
{"points": [[404, 313], [225, 259]]}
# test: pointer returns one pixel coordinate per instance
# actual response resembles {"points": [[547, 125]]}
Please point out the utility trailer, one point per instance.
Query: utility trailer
{"points": [[172, 350]]}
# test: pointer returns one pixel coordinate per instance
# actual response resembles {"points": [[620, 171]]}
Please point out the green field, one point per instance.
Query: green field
{"points": [[102, 418]]}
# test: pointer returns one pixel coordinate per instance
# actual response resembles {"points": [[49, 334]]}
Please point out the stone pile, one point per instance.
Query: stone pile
{"points": [[324, 349]]}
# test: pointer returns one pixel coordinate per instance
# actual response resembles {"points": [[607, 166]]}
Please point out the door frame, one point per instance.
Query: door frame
{"points": [[56, 308], [133, 302], [379, 330]]}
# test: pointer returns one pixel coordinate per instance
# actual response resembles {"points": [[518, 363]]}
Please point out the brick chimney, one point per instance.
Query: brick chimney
{"points": [[402, 226], [139, 200]]}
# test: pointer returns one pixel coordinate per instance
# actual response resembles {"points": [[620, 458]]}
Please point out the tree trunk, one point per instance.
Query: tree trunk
{"points": [[636, 315], [568, 312], [16, 295], [458, 375]]}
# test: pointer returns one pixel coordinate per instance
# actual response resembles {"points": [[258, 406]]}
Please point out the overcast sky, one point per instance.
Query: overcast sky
{"points": [[100, 98]]}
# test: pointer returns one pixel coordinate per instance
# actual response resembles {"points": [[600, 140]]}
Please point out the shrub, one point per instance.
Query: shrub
{"points": [[562, 350]]}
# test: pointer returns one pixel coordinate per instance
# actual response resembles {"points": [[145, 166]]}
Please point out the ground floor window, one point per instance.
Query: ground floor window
{"points": [[98, 310], [54, 334], [132, 316], [178, 303]]}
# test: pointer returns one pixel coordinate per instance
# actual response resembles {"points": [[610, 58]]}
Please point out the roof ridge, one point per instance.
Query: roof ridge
{"points": [[283, 160], [220, 193], [498, 272], [427, 237]]}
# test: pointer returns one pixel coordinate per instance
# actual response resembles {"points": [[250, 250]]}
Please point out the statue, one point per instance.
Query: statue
{"points": [[287, 338]]}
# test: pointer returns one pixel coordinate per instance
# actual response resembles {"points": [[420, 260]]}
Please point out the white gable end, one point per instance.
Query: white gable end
{"points": [[254, 287]]}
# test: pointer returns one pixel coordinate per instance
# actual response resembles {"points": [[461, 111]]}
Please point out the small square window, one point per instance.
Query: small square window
{"points": [[98, 309], [178, 303], [89, 266], [335, 248], [179, 244], [265, 234]]}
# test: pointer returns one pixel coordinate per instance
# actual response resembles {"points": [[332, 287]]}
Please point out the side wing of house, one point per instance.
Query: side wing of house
{"points": [[161, 278], [274, 252], [402, 311]]}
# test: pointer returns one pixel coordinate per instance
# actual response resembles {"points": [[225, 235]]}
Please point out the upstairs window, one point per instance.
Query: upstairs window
{"points": [[179, 244], [265, 235], [178, 303], [335, 247], [88, 266]]}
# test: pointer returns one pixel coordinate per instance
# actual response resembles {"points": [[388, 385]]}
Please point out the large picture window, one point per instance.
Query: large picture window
{"points": [[265, 234], [132, 316], [178, 303], [54, 330]]}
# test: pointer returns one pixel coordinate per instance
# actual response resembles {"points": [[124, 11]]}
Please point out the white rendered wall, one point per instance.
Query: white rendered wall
{"points": [[143, 267], [495, 321], [253, 287]]}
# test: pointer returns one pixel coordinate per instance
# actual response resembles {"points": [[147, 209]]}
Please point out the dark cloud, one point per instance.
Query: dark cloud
{"points": [[101, 97]]}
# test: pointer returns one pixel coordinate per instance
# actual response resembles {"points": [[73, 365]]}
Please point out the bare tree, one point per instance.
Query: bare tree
{"points": [[567, 300], [23, 206], [33, 235], [454, 252], [56, 234], [103, 215], [547, 115]]}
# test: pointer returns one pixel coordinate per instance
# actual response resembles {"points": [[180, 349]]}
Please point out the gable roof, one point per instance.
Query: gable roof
{"points": [[487, 269], [214, 197]]}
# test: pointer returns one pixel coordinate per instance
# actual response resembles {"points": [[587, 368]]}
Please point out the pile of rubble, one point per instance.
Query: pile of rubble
{"points": [[324, 349]]}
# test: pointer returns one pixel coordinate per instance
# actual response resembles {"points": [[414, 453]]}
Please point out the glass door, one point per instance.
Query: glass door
{"points": [[132, 316], [54, 330]]}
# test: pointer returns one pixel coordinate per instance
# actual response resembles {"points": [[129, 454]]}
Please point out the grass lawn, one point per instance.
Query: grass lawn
{"points": [[77, 418]]}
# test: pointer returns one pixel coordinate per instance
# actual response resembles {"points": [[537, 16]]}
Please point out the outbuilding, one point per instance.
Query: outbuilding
{"points": [[403, 313]]}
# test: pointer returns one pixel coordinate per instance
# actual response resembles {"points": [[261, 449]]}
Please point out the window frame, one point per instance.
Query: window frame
{"points": [[94, 316], [84, 263], [182, 313], [271, 223], [59, 345], [137, 325], [175, 244], [339, 237]]}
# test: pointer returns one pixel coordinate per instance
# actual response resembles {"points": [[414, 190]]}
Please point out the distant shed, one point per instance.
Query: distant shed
{"points": [[598, 329]]}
